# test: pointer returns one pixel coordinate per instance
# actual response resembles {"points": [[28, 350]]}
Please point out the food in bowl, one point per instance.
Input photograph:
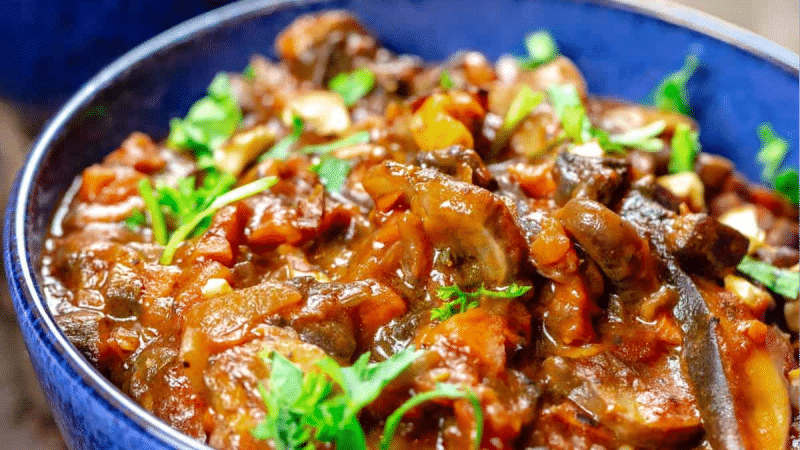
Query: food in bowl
{"points": [[352, 247]]}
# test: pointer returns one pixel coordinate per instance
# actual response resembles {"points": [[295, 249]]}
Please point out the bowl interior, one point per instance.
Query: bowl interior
{"points": [[622, 54]]}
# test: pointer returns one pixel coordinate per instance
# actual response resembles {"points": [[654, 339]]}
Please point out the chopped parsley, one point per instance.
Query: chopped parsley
{"points": [[446, 81], [782, 281], [281, 149], [568, 107], [459, 301], [303, 408], [787, 184], [773, 152], [644, 138], [541, 48], [249, 73], [216, 202], [443, 390], [685, 148], [523, 104], [135, 220], [332, 172], [362, 137], [354, 85], [670, 94], [771, 156], [208, 124], [154, 210]]}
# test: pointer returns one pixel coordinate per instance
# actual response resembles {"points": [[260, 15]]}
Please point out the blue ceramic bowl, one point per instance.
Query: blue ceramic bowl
{"points": [[622, 47]]}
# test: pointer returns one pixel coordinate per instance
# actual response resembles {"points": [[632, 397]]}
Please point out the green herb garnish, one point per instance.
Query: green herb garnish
{"points": [[523, 104], [302, 407], [787, 184], [459, 301], [191, 222], [443, 390], [685, 148], [362, 137], [773, 152], [670, 95], [154, 210], [568, 107], [281, 149], [782, 281], [249, 73], [183, 202], [771, 156], [208, 124], [541, 49], [135, 220], [643, 138], [354, 85], [332, 172], [446, 81]]}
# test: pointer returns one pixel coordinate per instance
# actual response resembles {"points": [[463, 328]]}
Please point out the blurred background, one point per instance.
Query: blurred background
{"points": [[51, 47]]}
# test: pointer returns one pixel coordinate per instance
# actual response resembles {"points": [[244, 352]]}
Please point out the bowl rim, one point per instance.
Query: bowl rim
{"points": [[15, 234]]}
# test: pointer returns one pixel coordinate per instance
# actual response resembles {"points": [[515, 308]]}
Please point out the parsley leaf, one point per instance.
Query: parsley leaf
{"points": [[135, 220], [183, 202], [363, 381], [300, 406], [670, 94], [191, 222], [523, 104], [209, 122], [787, 184], [332, 172], [281, 149], [354, 85], [568, 107], [362, 137], [249, 73], [446, 81], [643, 138], [771, 156], [541, 48], [443, 390], [685, 148], [154, 210], [460, 301], [782, 281], [773, 152]]}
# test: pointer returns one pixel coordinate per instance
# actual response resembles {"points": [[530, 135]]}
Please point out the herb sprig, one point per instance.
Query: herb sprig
{"points": [[354, 85], [323, 404], [281, 149], [670, 94], [771, 156], [192, 221], [208, 124], [782, 281], [459, 301], [443, 390], [685, 148], [541, 49]]}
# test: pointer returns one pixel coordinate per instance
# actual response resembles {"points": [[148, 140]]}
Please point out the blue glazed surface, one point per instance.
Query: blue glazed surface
{"points": [[622, 53]]}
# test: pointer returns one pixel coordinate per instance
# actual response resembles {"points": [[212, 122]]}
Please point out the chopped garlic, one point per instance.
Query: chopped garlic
{"points": [[322, 112], [215, 287], [242, 148], [687, 186], [590, 149], [744, 219], [756, 298]]}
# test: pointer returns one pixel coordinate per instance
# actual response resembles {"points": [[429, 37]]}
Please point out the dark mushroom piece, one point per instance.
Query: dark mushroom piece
{"points": [[701, 345]]}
